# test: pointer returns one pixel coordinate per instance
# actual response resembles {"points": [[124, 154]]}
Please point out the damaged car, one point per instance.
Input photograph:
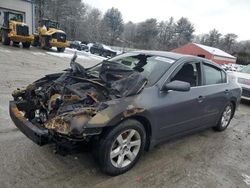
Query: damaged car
{"points": [[126, 105]]}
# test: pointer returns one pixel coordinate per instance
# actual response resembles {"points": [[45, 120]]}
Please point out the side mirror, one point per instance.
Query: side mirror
{"points": [[177, 85]]}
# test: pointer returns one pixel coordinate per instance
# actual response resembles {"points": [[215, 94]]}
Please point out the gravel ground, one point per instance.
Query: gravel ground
{"points": [[205, 159]]}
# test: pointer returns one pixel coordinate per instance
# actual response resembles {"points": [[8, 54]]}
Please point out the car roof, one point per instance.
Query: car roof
{"points": [[174, 56], [171, 55]]}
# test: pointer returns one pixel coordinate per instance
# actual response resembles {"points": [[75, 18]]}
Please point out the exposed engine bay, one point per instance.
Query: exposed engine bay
{"points": [[64, 102]]}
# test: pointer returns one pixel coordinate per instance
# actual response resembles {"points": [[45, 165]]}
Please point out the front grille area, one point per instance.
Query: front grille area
{"points": [[245, 92], [61, 37], [22, 30]]}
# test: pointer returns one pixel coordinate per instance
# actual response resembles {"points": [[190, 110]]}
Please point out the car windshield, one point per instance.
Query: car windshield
{"points": [[150, 66], [51, 24], [246, 69]]}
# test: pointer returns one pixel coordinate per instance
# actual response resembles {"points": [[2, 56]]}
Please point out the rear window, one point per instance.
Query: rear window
{"points": [[213, 75]]}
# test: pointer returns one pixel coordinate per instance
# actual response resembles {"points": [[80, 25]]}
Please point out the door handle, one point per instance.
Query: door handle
{"points": [[201, 98]]}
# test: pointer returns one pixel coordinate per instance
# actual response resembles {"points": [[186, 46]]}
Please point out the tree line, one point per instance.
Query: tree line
{"points": [[85, 23]]}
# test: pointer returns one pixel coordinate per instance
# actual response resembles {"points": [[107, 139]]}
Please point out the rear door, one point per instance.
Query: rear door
{"points": [[216, 93]]}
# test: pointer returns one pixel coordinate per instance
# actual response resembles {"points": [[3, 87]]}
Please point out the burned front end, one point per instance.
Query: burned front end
{"points": [[60, 106]]}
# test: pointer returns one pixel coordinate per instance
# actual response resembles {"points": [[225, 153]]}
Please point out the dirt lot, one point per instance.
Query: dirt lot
{"points": [[206, 159]]}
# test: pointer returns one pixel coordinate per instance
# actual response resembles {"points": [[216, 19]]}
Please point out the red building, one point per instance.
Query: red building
{"points": [[211, 53]]}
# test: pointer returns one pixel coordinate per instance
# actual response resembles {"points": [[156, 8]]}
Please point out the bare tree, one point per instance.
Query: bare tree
{"points": [[90, 25], [166, 34], [129, 34], [146, 34]]}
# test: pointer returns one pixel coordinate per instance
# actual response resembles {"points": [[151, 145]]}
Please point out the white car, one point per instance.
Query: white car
{"points": [[243, 79]]}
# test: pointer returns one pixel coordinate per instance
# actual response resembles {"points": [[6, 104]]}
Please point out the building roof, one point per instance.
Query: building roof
{"points": [[215, 51]]}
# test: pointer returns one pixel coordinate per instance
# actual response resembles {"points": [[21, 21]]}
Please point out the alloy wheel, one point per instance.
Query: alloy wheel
{"points": [[125, 148], [226, 116]]}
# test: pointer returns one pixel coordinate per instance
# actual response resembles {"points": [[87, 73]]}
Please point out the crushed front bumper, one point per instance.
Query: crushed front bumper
{"points": [[38, 135]]}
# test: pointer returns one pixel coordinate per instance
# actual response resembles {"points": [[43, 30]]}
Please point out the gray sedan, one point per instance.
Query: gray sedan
{"points": [[126, 104]]}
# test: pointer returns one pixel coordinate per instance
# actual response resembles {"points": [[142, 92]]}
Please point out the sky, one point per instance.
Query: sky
{"points": [[227, 16]]}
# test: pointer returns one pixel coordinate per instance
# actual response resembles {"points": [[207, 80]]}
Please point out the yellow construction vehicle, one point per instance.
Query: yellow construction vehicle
{"points": [[14, 29], [49, 36]]}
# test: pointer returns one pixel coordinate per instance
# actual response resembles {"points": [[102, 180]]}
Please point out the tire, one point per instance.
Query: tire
{"points": [[35, 41], [5, 38], [105, 54], [44, 43], [60, 49], [128, 152], [26, 44], [16, 44], [225, 118]]}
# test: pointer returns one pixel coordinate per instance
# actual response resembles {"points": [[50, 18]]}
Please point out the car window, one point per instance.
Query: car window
{"points": [[152, 67], [246, 69], [224, 77], [213, 75], [190, 72]]}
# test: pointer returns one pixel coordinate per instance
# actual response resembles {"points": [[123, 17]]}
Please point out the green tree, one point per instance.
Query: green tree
{"points": [[213, 38], [228, 42], [184, 32], [112, 25]]}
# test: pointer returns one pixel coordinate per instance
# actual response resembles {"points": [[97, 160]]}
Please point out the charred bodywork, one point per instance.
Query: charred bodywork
{"points": [[69, 104]]}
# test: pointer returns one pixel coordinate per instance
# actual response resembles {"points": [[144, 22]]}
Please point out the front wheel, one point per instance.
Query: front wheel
{"points": [[121, 147], [26, 44], [35, 42], [225, 117], [5, 38]]}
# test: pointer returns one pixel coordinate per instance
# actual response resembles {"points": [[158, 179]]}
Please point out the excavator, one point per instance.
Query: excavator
{"points": [[14, 29], [49, 36]]}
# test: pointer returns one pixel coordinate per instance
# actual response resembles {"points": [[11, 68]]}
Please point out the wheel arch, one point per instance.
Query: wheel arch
{"points": [[141, 119], [233, 101], [147, 126]]}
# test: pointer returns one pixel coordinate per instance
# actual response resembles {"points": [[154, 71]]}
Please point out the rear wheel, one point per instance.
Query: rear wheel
{"points": [[5, 38], [60, 49], [121, 147], [16, 44], [26, 44], [225, 117]]}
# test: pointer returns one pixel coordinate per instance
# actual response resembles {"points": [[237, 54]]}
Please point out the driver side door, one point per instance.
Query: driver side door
{"points": [[181, 112]]}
